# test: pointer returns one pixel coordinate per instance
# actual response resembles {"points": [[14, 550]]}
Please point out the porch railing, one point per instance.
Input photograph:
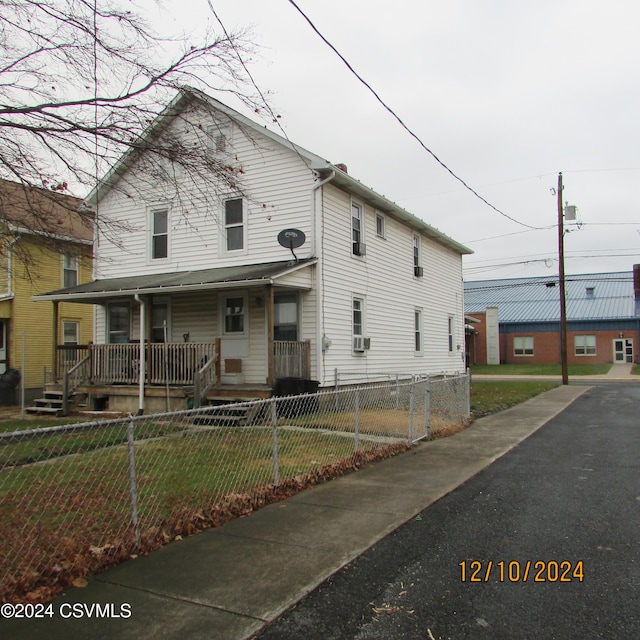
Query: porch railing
{"points": [[68, 356], [173, 364], [292, 359]]}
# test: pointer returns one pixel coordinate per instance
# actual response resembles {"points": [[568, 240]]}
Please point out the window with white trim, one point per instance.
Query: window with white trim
{"points": [[159, 233], [69, 270], [584, 345], [220, 139], [234, 315], [417, 330], [70, 337], [523, 346], [234, 224], [119, 322], [357, 229], [417, 267], [159, 322], [380, 225], [358, 317]]}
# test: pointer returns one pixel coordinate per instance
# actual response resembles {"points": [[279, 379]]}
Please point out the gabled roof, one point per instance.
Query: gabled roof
{"points": [[177, 282], [316, 163], [596, 296], [42, 212]]}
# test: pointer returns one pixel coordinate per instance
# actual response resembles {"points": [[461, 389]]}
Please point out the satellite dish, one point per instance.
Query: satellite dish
{"points": [[291, 239]]}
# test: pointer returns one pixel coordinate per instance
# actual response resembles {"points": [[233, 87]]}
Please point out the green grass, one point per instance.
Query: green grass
{"points": [[490, 397], [539, 369]]}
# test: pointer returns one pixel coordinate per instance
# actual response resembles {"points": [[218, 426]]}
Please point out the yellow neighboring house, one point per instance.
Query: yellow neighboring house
{"points": [[45, 244]]}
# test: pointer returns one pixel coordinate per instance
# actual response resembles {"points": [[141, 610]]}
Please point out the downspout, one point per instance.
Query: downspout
{"points": [[316, 248], [143, 352]]}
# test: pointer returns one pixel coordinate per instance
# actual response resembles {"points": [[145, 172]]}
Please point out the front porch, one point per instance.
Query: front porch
{"points": [[166, 376]]}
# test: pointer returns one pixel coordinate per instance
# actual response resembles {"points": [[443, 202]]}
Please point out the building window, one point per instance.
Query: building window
{"points": [[417, 267], [159, 322], [357, 229], [69, 270], [234, 224], [70, 337], [380, 226], [159, 234], [234, 315], [450, 326], [523, 346], [285, 317], [358, 317], [119, 323], [585, 345], [417, 323]]}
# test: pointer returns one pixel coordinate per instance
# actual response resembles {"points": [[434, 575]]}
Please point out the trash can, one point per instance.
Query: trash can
{"points": [[284, 387], [9, 380]]}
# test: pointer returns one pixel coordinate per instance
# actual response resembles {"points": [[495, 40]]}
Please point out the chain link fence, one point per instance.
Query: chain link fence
{"points": [[78, 498]]}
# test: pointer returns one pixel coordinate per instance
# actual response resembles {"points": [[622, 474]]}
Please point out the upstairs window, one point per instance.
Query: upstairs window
{"points": [[69, 270], [357, 229], [159, 234], [234, 225], [220, 139], [380, 226], [417, 267]]}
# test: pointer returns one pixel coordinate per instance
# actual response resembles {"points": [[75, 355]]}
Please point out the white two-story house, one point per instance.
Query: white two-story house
{"points": [[291, 269]]}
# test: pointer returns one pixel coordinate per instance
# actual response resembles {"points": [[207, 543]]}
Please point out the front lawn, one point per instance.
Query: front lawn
{"points": [[490, 397], [539, 369]]}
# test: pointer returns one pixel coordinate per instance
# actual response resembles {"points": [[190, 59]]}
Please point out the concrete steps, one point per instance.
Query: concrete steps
{"points": [[51, 404], [228, 412]]}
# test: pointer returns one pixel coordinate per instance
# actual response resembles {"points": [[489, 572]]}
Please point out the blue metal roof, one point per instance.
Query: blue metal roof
{"points": [[595, 296]]}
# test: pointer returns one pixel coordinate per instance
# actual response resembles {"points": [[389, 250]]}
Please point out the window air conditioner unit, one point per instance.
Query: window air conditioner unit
{"points": [[418, 272], [359, 249], [361, 344]]}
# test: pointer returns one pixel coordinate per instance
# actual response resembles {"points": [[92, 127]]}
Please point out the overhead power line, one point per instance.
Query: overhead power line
{"points": [[402, 124]]}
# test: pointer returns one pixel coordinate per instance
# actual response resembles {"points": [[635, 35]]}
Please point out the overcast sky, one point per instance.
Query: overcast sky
{"points": [[506, 94]]}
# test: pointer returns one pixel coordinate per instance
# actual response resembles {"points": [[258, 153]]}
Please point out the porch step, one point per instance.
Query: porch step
{"points": [[51, 404], [224, 412]]}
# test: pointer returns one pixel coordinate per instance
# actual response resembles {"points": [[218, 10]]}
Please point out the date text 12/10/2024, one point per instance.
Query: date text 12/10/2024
{"points": [[518, 571]]}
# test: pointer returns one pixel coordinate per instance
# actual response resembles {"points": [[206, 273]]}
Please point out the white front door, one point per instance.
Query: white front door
{"points": [[623, 350]]}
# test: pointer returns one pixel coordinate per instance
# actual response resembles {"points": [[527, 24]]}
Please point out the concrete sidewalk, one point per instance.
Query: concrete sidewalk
{"points": [[229, 582]]}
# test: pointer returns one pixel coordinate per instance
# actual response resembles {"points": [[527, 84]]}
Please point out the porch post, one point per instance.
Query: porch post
{"points": [[55, 341], [270, 325]]}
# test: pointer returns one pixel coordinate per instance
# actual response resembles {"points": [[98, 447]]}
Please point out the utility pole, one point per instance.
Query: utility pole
{"points": [[563, 301]]}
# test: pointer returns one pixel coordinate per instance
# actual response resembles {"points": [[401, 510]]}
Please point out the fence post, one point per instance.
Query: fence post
{"points": [[397, 391], [357, 425], [467, 390], [274, 424], [411, 406], [427, 407], [133, 492]]}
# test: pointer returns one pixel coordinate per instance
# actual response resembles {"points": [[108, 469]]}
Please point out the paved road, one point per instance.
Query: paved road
{"points": [[568, 494]]}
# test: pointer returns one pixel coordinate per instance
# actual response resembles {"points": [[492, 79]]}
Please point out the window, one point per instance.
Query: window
{"points": [[357, 229], [380, 225], [450, 325], [119, 323], [234, 315], [417, 322], [585, 345], [159, 319], [358, 316], [523, 346], [69, 270], [159, 234], [417, 268], [234, 224], [285, 317], [70, 333]]}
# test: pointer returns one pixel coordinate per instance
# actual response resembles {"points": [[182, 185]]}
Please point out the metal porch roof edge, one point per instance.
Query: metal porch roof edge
{"points": [[177, 282]]}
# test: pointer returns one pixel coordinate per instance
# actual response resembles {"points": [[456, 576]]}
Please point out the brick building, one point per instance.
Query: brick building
{"points": [[517, 320]]}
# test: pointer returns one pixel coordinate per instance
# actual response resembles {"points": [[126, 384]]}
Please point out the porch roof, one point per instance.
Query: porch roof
{"points": [[249, 275]]}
